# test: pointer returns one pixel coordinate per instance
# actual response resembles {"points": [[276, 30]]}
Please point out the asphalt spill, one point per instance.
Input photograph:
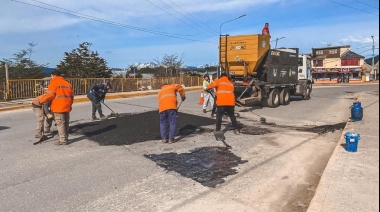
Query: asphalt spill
{"points": [[207, 166], [255, 130], [133, 128], [324, 128]]}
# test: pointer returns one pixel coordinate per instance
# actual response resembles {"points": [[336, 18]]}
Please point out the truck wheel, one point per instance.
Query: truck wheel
{"points": [[284, 96], [274, 98], [306, 96]]}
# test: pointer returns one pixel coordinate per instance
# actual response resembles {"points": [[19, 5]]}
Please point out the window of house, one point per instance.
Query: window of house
{"points": [[319, 52], [318, 63], [333, 51], [350, 62]]}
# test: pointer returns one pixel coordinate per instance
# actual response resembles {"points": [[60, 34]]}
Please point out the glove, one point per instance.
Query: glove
{"points": [[183, 98], [91, 91]]}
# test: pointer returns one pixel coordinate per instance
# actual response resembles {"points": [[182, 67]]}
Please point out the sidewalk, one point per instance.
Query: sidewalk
{"points": [[350, 181], [26, 103]]}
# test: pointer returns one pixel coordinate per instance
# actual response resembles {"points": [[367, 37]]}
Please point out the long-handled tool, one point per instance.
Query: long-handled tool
{"points": [[262, 119], [113, 113], [219, 136]]}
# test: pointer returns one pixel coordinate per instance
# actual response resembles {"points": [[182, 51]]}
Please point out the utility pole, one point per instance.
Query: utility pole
{"points": [[277, 41], [220, 43], [6, 82], [373, 58]]}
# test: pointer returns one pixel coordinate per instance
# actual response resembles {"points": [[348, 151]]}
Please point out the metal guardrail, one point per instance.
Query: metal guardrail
{"points": [[30, 88]]}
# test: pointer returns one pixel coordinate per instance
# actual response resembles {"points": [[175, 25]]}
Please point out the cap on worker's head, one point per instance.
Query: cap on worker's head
{"points": [[56, 73], [108, 84], [206, 75]]}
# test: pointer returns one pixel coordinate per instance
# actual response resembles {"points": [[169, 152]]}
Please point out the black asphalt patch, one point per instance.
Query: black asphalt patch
{"points": [[134, 128], [207, 166]]}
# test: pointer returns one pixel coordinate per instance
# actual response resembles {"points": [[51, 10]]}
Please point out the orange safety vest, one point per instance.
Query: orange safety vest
{"points": [[167, 98], [224, 91], [60, 92]]}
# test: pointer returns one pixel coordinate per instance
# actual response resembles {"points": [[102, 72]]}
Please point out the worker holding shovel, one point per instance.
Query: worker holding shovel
{"points": [[225, 101], [97, 94], [167, 103]]}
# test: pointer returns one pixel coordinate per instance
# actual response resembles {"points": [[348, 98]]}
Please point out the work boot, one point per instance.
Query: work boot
{"points": [[94, 118], [212, 115], [172, 141], [58, 143], [38, 135], [204, 111], [237, 131], [102, 116], [164, 140]]}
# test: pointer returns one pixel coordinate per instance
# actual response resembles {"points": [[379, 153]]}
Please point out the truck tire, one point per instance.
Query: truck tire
{"points": [[284, 96], [274, 98], [307, 94]]}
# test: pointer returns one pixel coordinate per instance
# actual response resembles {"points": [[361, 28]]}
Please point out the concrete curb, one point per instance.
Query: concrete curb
{"points": [[83, 98]]}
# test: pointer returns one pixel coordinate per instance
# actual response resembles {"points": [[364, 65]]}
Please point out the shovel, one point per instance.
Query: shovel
{"points": [[113, 114], [219, 136]]}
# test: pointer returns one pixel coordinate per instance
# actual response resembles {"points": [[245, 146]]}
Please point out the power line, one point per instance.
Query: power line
{"points": [[76, 14], [366, 4], [168, 12], [204, 25], [352, 7]]}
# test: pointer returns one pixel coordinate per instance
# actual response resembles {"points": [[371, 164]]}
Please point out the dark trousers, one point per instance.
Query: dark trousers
{"points": [[230, 112], [96, 105], [168, 121]]}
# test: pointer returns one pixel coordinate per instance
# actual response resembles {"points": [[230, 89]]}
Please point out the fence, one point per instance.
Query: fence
{"points": [[30, 88]]}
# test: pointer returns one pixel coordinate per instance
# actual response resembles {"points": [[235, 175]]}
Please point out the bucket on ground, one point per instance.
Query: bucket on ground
{"points": [[357, 111], [352, 141]]}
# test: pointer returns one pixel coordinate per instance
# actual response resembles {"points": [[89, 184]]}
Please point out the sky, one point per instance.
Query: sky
{"points": [[125, 32]]}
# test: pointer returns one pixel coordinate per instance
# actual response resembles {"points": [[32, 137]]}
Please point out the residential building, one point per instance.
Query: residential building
{"points": [[337, 64], [367, 68]]}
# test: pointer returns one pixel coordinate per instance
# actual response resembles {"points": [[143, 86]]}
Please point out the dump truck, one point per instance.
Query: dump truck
{"points": [[264, 75]]}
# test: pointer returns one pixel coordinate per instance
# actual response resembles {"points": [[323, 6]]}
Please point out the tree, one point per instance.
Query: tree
{"points": [[170, 65], [22, 66], [83, 63]]}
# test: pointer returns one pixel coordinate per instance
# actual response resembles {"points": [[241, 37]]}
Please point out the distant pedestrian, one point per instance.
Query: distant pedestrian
{"points": [[265, 30], [168, 106], [225, 101], [97, 94], [42, 110], [61, 95], [208, 94]]}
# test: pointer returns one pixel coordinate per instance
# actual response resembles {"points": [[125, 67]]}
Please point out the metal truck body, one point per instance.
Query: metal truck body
{"points": [[262, 74]]}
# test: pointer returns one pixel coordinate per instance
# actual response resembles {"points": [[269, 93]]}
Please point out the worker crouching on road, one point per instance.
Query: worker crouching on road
{"points": [[225, 101], [167, 103], [61, 95], [42, 110], [97, 94]]}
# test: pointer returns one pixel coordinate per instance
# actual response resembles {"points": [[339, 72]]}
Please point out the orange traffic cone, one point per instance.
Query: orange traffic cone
{"points": [[202, 99]]}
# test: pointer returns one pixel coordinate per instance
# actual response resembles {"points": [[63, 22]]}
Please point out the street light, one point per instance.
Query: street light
{"points": [[220, 42], [277, 41], [373, 58]]}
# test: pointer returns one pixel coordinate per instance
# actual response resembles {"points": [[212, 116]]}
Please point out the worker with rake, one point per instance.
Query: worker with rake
{"points": [[168, 109], [97, 94]]}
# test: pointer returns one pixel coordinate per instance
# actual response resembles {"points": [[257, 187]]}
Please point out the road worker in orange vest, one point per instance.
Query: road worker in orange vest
{"points": [[168, 109], [225, 101], [60, 92]]}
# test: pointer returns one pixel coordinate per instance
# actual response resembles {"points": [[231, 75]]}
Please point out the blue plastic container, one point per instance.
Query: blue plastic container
{"points": [[357, 111], [352, 141]]}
